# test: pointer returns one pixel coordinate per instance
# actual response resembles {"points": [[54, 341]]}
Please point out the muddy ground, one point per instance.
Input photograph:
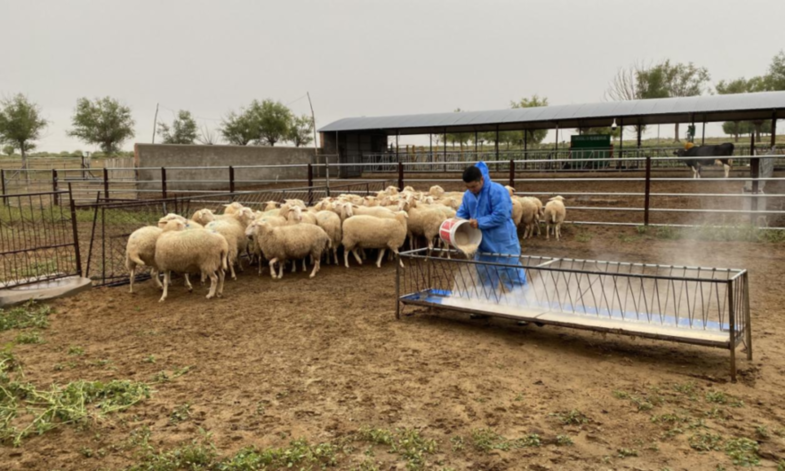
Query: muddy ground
{"points": [[321, 359]]}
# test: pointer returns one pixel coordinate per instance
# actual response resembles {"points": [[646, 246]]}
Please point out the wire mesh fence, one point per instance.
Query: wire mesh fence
{"points": [[38, 238], [109, 223], [696, 305]]}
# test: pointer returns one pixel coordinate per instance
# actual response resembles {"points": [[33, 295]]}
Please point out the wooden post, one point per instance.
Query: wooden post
{"points": [[647, 192], [106, 184], [754, 173], [2, 177], [512, 173], [163, 182], [310, 185], [77, 254], [54, 187], [400, 176]]}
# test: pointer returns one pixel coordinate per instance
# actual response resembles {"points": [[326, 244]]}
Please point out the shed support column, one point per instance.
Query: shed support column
{"points": [[621, 143], [430, 145], [445, 144], [397, 156], [774, 132], [497, 143], [703, 133], [557, 140], [476, 144], [754, 173]]}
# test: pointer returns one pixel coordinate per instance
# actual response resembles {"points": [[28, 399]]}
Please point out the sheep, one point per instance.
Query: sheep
{"points": [[283, 243], [295, 215], [331, 224], [140, 252], [189, 224], [349, 210], [555, 213], [436, 191], [253, 247], [271, 205], [296, 202], [530, 217], [194, 251], [367, 232], [511, 190], [424, 221], [232, 208], [517, 211], [232, 227]]}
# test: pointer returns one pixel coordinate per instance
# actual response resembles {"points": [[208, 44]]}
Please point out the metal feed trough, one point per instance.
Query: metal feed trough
{"points": [[695, 305]]}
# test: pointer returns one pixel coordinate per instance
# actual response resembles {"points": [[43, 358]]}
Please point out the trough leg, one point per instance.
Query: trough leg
{"points": [[747, 321], [732, 363]]}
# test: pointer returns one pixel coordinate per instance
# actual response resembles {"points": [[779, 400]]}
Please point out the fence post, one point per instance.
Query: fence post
{"points": [[77, 254], [231, 181], [106, 183], [400, 176], [163, 182], [54, 187], [512, 173], [647, 192], [2, 177], [310, 184]]}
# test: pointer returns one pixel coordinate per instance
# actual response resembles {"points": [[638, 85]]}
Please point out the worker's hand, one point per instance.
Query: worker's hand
{"points": [[474, 223]]}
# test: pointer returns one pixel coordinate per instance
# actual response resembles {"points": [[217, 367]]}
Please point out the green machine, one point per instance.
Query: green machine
{"points": [[590, 146]]}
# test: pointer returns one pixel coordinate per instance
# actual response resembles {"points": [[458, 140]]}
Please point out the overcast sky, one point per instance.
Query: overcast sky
{"points": [[359, 58]]}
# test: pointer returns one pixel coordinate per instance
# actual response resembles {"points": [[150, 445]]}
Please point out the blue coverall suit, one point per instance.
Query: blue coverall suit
{"points": [[492, 208]]}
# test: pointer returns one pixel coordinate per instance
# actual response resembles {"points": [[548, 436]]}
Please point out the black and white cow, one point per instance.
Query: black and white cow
{"points": [[719, 150]]}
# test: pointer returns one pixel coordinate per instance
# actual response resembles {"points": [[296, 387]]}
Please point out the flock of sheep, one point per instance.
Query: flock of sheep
{"points": [[212, 244]]}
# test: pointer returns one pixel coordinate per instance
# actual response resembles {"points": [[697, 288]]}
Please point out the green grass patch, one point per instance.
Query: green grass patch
{"points": [[407, 443], [30, 337], [572, 417], [180, 413], [742, 451], [487, 439], [25, 316], [705, 441]]}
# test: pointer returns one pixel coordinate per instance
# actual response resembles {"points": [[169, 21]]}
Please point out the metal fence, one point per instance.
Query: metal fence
{"points": [[695, 305], [535, 160], [111, 221], [38, 238]]}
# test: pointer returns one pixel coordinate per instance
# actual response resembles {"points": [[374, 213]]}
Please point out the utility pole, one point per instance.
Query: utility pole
{"points": [[155, 121], [313, 122]]}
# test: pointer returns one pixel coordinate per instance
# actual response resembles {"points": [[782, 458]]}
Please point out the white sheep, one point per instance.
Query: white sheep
{"points": [[555, 212], [424, 221], [189, 224], [233, 208], [140, 252], [530, 217], [331, 224], [283, 243], [436, 191], [232, 227], [193, 251], [368, 232]]}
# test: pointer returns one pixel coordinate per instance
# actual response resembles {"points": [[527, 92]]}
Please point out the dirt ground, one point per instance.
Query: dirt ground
{"points": [[321, 359]]}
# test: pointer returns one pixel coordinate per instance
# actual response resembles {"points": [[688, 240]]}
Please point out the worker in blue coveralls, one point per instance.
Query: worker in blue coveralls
{"points": [[488, 207]]}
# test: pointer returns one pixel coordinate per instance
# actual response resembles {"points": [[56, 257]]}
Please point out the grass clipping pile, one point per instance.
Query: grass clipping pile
{"points": [[26, 410]]}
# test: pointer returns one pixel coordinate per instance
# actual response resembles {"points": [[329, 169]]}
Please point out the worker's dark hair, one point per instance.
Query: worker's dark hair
{"points": [[472, 174]]}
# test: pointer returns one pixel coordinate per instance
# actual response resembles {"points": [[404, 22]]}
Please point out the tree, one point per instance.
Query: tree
{"points": [[673, 80], [9, 150], [239, 128], [300, 131], [20, 124], [624, 86], [103, 122], [182, 130], [207, 136], [776, 76], [532, 136], [273, 119], [742, 85]]}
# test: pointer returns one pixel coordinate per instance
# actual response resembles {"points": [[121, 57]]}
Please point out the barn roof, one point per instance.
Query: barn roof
{"points": [[745, 106]]}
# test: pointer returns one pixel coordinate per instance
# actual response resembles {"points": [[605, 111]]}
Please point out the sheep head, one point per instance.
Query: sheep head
{"points": [[174, 225], [203, 216], [232, 208]]}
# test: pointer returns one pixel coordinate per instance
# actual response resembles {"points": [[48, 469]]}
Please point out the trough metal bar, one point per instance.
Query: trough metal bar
{"points": [[675, 210], [705, 343], [637, 224], [738, 271], [548, 268], [747, 317], [675, 195]]}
